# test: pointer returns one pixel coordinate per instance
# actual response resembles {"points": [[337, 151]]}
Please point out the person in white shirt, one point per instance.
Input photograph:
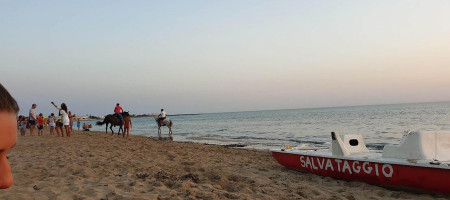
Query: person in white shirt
{"points": [[162, 115], [32, 119], [65, 118]]}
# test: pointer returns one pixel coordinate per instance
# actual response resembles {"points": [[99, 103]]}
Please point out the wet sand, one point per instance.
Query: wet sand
{"points": [[93, 165]]}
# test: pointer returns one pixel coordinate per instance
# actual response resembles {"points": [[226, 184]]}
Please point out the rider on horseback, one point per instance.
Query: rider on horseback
{"points": [[162, 116], [117, 111]]}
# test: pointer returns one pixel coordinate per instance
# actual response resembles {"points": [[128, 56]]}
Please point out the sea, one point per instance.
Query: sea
{"points": [[378, 124]]}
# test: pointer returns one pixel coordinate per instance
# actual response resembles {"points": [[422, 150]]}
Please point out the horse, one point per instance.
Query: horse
{"points": [[167, 122], [113, 120]]}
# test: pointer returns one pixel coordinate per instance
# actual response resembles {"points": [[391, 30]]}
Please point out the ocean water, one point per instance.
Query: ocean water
{"points": [[378, 124]]}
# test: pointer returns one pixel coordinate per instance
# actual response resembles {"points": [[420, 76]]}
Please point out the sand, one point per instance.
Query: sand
{"points": [[93, 165]]}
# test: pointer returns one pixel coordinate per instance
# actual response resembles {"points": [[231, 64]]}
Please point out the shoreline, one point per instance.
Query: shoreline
{"points": [[95, 165]]}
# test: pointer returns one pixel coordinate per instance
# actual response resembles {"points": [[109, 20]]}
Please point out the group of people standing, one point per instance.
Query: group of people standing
{"points": [[62, 123]]}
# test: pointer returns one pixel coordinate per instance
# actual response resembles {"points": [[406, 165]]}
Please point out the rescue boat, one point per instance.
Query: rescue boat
{"points": [[420, 162]]}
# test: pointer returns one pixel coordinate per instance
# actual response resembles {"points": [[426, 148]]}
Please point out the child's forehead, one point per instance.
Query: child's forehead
{"points": [[7, 115]]}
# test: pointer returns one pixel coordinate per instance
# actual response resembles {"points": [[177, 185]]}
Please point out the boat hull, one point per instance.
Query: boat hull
{"points": [[376, 173]]}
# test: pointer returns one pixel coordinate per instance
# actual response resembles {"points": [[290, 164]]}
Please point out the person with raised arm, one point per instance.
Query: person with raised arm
{"points": [[65, 118]]}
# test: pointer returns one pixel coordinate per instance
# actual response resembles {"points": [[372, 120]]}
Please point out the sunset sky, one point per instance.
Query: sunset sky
{"points": [[223, 56]]}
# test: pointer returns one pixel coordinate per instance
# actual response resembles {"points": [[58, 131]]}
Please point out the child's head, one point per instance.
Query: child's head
{"points": [[40, 114], [53, 114], [8, 134]]}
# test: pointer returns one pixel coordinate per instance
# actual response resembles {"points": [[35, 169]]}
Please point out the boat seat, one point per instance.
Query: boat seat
{"points": [[421, 145], [347, 145]]}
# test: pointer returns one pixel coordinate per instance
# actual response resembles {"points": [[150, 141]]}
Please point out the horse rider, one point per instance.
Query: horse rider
{"points": [[162, 116], [117, 111]]}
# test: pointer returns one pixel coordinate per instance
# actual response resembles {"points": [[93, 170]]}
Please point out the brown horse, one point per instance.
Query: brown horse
{"points": [[113, 120]]}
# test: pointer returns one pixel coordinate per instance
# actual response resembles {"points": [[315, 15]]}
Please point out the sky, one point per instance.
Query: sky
{"points": [[223, 56]]}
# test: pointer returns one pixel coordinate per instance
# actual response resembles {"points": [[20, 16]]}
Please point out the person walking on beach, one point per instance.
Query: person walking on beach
{"points": [[40, 120], [117, 111], [32, 119], [162, 116], [78, 123], [65, 118], [22, 125], [71, 120], [127, 126], [59, 125], [8, 135], [52, 124]]}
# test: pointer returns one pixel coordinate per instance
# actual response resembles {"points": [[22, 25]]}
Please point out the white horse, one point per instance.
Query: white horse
{"points": [[167, 122]]}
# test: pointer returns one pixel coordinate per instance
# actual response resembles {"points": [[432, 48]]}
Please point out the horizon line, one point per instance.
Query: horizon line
{"points": [[440, 101]]}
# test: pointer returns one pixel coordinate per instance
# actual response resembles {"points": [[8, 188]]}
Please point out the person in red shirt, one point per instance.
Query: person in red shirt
{"points": [[40, 126], [117, 111]]}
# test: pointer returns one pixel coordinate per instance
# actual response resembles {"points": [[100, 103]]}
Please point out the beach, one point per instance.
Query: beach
{"points": [[95, 165]]}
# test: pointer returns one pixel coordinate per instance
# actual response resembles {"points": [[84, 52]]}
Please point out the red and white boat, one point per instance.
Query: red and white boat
{"points": [[421, 161]]}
